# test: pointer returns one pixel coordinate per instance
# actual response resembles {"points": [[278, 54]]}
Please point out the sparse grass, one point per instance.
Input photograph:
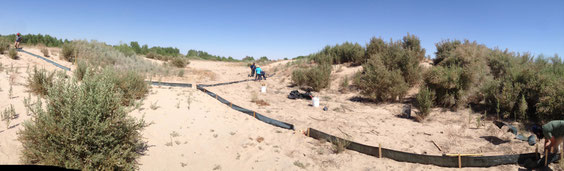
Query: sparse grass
{"points": [[13, 53], [344, 87], [174, 134]]}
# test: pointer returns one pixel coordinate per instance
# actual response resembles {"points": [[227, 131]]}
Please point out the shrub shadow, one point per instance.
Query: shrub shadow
{"points": [[494, 140]]}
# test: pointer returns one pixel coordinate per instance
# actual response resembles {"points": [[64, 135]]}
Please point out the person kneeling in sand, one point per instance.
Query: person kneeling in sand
{"points": [[553, 134]]}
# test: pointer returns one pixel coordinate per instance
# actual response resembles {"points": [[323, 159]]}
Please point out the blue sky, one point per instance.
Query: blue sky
{"points": [[290, 28]]}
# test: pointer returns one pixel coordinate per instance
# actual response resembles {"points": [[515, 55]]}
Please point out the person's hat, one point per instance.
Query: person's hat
{"points": [[18, 34]]}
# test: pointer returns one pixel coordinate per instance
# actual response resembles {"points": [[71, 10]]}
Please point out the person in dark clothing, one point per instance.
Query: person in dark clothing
{"points": [[253, 67], [18, 40], [263, 75], [552, 132]]}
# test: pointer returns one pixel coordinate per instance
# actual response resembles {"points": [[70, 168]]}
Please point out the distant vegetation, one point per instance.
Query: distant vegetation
{"points": [[34, 39]]}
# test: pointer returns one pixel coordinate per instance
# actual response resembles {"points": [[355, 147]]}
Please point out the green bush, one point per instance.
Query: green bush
{"points": [[68, 52], [179, 62], [13, 53], [40, 81], [461, 74], [424, 100], [413, 44], [341, 53], [377, 82], [317, 77], [83, 126], [130, 84]]}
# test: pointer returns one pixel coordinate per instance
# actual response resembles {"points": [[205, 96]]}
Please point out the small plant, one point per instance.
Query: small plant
{"points": [[344, 87], [299, 164], [45, 51], [339, 145], [13, 53], [68, 52], [10, 92], [425, 99], [154, 106], [9, 114], [181, 73], [4, 45], [189, 100], [174, 134], [179, 62]]}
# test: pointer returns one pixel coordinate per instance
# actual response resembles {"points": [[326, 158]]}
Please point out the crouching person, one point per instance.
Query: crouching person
{"points": [[553, 134]]}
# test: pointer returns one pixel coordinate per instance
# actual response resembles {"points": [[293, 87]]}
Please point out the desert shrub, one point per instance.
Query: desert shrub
{"points": [[83, 126], [317, 77], [424, 100], [179, 62], [341, 53], [68, 52], [13, 53], [459, 77], [81, 70], [40, 81], [152, 55], [130, 84], [125, 49], [378, 82], [391, 68], [4, 45]]}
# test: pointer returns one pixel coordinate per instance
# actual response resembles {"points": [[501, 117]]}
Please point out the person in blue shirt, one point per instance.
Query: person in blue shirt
{"points": [[253, 67], [18, 40], [258, 71]]}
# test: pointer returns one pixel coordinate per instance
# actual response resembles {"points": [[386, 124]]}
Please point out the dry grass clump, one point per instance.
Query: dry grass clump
{"points": [[13, 53], [83, 126], [45, 51], [339, 145]]}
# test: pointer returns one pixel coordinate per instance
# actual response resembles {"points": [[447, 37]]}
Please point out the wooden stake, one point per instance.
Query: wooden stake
{"points": [[308, 132], [254, 114], [436, 145], [380, 150], [459, 161], [546, 157], [230, 104]]}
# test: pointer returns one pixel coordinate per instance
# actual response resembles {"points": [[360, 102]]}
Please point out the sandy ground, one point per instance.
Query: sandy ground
{"points": [[203, 134]]}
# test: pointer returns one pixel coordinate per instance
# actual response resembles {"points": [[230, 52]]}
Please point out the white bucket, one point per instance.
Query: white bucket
{"points": [[263, 89], [315, 101]]}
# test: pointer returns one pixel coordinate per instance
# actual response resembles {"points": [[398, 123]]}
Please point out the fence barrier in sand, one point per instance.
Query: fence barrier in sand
{"points": [[255, 114], [528, 160], [45, 59]]}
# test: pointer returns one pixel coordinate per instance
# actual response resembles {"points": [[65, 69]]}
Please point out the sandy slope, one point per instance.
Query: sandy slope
{"points": [[209, 135]]}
